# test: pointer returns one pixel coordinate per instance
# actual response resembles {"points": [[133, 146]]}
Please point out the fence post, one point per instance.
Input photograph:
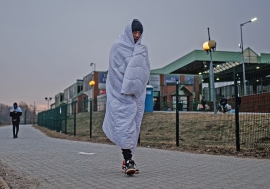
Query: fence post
{"points": [[74, 108], [25, 117], [65, 118], [91, 113], [59, 121], [177, 115], [54, 122], [237, 138]]}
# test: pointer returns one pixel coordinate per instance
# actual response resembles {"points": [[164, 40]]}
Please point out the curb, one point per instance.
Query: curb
{"points": [[3, 184]]}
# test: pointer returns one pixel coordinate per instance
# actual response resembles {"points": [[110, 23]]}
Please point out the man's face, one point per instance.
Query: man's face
{"points": [[15, 106], [136, 35]]}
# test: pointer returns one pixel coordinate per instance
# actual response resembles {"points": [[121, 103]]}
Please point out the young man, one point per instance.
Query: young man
{"points": [[128, 74], [223, 102], [203, 102], [15, 113]]}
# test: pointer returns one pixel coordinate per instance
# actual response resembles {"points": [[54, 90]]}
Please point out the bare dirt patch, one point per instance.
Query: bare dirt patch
{"points": [[14, 180]]}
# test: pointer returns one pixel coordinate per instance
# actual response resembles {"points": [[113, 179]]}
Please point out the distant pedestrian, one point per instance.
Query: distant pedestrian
{"points": [[129, 71], [203, 102], [15, 113], [223, 102]]}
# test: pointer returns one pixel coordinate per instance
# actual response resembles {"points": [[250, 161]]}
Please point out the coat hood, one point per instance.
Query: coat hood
{"points": [[128, 36]]}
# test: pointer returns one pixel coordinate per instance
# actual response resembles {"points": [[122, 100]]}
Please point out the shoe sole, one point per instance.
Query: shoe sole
{"points": [[136, 172], [130, 171]]}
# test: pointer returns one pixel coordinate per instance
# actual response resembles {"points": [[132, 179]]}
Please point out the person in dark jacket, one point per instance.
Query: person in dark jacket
{"points": [[223, 102], [15, 113], [203, 102]]}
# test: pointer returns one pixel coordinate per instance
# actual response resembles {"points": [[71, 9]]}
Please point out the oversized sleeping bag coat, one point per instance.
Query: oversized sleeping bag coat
{"points": [[128, 74]]}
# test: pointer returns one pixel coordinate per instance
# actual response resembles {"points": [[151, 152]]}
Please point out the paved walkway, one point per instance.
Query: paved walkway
{"points": [[56, 163]]}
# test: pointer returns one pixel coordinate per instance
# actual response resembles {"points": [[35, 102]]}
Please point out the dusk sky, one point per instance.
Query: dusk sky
{"points": [[46, 45]]}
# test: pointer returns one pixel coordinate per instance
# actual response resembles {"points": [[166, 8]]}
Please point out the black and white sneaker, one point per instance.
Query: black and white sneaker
{"points": [[130, 167]]}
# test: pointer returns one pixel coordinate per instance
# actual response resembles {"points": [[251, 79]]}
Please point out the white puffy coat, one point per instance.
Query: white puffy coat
{"points": [[128, 74]]}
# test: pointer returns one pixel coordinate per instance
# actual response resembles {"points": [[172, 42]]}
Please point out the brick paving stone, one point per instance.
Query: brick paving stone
{"points": [[55, 163]]}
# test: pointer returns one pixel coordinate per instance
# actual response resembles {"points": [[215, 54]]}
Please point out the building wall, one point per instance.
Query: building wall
{"points": [[168, 90], [197, 87], [253, 103], [96, 91], [80, 102]]}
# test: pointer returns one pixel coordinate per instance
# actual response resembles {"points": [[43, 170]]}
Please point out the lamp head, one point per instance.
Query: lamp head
{"points": [[206, 46], [212, 44], [253, 19]]}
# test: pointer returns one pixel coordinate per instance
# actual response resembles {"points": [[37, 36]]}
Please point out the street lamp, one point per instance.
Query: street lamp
{"points": [[91, 64], [48, 99], [243, 62], [210, 46]]}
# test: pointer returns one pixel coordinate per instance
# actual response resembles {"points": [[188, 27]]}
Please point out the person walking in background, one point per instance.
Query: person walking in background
{"points": [[15, 113], [203, 102], [223, 102], [128, 74]]}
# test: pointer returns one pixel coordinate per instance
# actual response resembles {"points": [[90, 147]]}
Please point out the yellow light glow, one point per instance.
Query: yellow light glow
{"points": [[92, 83], [217, 78], [206, 46], [257, 67], [200, 73], [257, 80]]}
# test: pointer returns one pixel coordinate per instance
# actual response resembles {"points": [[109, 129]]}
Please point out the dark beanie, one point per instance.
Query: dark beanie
{"points": [[137, 26]]}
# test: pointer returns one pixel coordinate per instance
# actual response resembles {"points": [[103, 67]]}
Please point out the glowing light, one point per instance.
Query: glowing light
{"points": [[92, 83], [253, 19], [206, 46]]}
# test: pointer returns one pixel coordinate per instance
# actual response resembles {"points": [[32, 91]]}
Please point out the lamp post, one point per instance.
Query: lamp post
{"points": [[210, 46], [48, 99], [243, 61], [91, 64], [92, 81]]}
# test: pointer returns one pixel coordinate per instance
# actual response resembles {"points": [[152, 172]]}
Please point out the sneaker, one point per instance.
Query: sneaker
{"points": [[129, 167], [137, 171], [123, 166]]}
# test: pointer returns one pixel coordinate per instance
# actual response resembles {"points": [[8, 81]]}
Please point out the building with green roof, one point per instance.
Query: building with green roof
{"points": [[196, 64]]}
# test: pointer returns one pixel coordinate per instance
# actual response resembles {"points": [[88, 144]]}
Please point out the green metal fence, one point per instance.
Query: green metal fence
{"points": [[247, 127]]}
